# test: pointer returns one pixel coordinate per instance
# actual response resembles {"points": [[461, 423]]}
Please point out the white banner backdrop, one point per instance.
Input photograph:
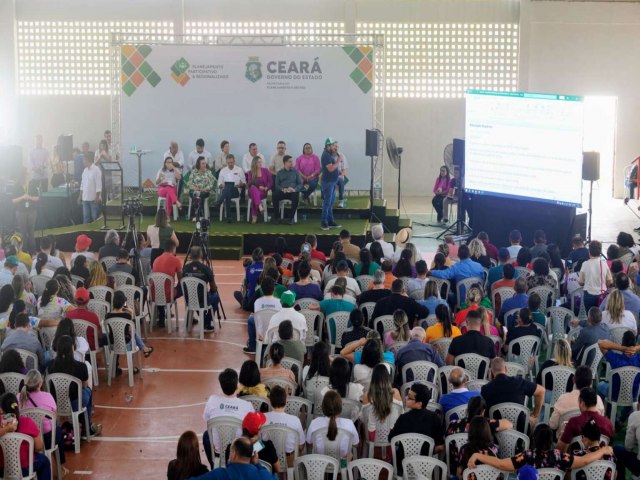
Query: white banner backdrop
{"points": [[245, 94]]}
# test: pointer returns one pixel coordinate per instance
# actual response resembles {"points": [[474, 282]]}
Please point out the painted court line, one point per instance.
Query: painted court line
{"points": [[189, 405], [83, 472], [197, 339]]}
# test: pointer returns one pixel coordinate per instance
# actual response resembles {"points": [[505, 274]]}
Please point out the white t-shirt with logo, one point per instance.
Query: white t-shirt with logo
{"points": [[264, 303], [287, 420], [219, 406]]}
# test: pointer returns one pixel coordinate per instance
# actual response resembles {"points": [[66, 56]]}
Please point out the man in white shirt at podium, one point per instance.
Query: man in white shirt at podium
{"points": [[248, 157], [199, 152]]}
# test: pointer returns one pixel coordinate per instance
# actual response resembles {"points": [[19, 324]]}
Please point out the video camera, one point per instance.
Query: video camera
{"points": [[132, 207], [202, 226]]}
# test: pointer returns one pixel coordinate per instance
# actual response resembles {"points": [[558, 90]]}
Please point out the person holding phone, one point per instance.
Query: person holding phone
{"points": [[266, 451], [167, 182]]}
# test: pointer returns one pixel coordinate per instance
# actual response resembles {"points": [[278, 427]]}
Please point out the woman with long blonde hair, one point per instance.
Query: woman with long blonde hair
{"points": [[401, 329], [97, 275], [381, 395], [478, 253], [474, 300], [615, 315], [561, 358]]}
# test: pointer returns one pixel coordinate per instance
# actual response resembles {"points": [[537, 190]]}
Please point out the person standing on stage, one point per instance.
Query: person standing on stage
{"points": [[39, 164], [248, 157], [343, 166], [115, 149], [287, 187], [330, 174], [25, 201], [197, 153], [90, 191], [230, 180], [103, 155]]}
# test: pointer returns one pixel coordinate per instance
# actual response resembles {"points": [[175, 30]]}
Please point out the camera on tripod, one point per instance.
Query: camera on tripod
{"points": [[202, 226], [132, 207]]}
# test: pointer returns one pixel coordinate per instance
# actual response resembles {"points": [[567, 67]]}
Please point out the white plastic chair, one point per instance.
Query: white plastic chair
{"points": [[515, 369], [100, 308], [463, 286], [386, 321], [444, 286], [305, 303], [29, 359], [476, 365], [301, 408], [262, 319], [39, 283], [340, 321], [332, 448], [442, 345], [82, 329], [315, 467], [279, 434], [421, 370], [382, 429], [529, 349], [135, 299], [443, 378], [561, 380], [282, 205], [511, 442], [77, 280], [524, 272], [452, 446], [476, 385], [366, 468], [426, 466], [313, 318], [617, 333], [61, 383], [412, 444], [102, 293], [227, 429], [559, 318], [367, 311], [38, 415], [484, 472], [162, 205], [503, 293], [625, 398], [265, 213], [122, 278], [550, 474], [313, 387], [12, 382], [157, 282], [206, 207], [591, 357], [456, 413], [117, 327], [516, 413], [595, 471], [260, 404], [364, 281], [291, 364], [236, 202], [433, 389], [417, 295], [193, 289], [11, 445], [285, 383], [547, 296]]}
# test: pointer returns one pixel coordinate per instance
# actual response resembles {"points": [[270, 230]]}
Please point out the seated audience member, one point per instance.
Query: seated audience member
{"points": [[616, 315], [503, 388], [524, 258], [158, 233], [39, 267], [23, 339], [404, 267], [477, 407], [223, 405], [230, 181], [588, 405], [278, 416], [465, 268], [478, 254], [287, 186], [9, 269], [287, 312], [537, 314], [540, 454], [539, 243], [420, 282], [250, 381], [171, 265], [400, 333], [305, 287], [480, 441], [122, 263], [569, 401], [47, 247], [524, 327], [292, 348], [442, 259], [591, 442], [243, 463], [369, 357], [443, 326], [366, 266], [629, 356], [80, 344], [357, 331], [252, 274], [625, 455], [21, 294], [83, 242], [474, 298], [382, 398], [473, 341], [631, 300], [418, 419], [276, 370], [594, 276], [336, 303], [497, 273], [342, 270], [589, 334], [519, 300], [79, 267], [201, 271], [338, 256], [316, 254], [515, 237], [561, 358], [389, 277], [492, 250], [377, 234], [187, 463], [377, 255], [509, 274], [578, 252], [122, 310], [377, 290], [460, 394], [331, 411], [417, 350], [97, 276], [399, 300], [81, 312], [350, 250], [111, 246], [432, 297], [339, 375], [11, 362], [542, 275]]}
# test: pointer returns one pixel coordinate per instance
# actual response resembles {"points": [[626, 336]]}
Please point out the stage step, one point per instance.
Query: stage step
{"points": [[226, 253], [226, 247]]}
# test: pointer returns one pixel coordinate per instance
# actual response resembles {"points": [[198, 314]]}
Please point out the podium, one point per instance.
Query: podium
{"points": [[112, 190]]}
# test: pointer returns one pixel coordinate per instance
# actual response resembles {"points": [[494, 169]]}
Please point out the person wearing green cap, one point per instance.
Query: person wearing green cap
{"points": [[330, 175], [287, 299], [9, 270]]}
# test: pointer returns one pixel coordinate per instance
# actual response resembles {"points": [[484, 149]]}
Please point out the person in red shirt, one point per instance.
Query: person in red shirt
{"points": [[171, 265], [588, 403], [81, 312], [317, 254]]}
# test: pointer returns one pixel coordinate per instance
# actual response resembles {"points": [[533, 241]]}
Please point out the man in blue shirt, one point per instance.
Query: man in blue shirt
{"points": [[252, 274], [465, 268], [243, 464], [631, 300], [417, 350], [519, 300], [330, 175], [460, 394], [593, 332]]}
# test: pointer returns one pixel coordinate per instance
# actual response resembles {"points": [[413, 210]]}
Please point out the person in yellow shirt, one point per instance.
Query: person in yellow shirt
{"points": [[24, 257], [443, 327]]}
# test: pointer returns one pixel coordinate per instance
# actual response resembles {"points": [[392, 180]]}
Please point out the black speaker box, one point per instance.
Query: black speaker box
{"points": [[591, 166], [458, 152], [372, 143], [65, 148]]}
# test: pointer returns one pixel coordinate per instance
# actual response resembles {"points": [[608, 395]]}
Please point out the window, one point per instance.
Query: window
{"points": [[72, 58], [443, 60]]}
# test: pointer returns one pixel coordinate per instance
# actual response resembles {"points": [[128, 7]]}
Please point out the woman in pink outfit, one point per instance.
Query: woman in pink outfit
{"points": [[308, 165], [167, 182], [260, 182], [440, 190]]}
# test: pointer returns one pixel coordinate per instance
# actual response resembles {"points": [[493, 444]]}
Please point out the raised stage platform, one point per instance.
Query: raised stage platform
{"points": [[231, 241]]}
